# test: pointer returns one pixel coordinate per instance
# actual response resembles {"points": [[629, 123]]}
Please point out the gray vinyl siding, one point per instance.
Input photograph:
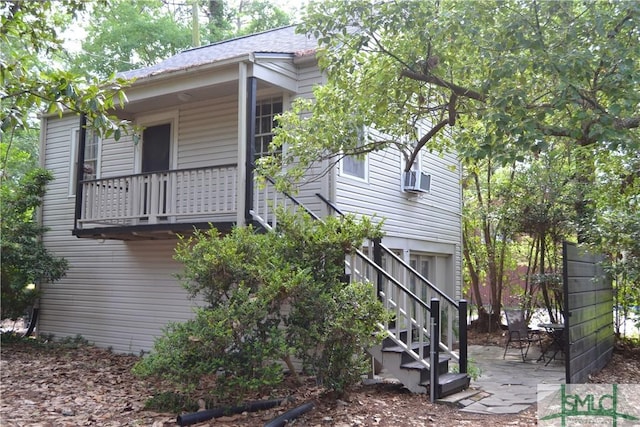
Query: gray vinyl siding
{"points": [[428, 223], [310, 76], [208, 133], [435, 215], [116, 157], [115, 294]]}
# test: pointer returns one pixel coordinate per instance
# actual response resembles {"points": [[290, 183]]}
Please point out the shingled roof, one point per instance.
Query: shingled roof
{"points": [[281, 40]]}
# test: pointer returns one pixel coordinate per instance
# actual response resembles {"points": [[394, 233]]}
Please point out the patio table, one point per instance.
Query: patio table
{"points": [[556, 332]]}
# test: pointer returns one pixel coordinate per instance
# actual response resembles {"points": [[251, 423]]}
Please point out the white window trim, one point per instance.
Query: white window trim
{"points": [[270, 99], [356, 177], [170, 117], [73, 157], [366, 164]]}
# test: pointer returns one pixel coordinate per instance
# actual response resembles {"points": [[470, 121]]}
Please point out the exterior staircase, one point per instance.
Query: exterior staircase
{"points": [[423, 314], [413, 374]]}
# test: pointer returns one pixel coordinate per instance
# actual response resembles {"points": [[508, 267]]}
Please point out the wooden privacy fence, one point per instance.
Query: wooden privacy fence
{"points": [[588, 299]]}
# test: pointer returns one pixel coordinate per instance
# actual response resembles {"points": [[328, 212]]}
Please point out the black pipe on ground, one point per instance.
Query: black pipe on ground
{"points": [[289, 415], [197, 417]]}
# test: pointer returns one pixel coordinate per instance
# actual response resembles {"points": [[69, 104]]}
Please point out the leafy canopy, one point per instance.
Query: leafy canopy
{"points": [[488, 78], [126, 35], [32, 78]]}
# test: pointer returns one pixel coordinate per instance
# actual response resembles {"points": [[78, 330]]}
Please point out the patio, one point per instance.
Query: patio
{"points": [[506, 386]]}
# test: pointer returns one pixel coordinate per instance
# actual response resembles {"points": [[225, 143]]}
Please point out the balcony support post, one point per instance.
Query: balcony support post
{"points": [[252, 87], [242, 144], [82, 139]]}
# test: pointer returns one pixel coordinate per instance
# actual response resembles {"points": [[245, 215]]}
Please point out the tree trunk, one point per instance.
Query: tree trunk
{"points": [[543, 283], [486, 322]]}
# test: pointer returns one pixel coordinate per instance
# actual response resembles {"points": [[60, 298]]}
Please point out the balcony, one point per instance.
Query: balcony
{"points": [[158, 204]]}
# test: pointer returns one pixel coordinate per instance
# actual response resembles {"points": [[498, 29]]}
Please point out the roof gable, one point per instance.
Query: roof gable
{"points": [[281, 41]]}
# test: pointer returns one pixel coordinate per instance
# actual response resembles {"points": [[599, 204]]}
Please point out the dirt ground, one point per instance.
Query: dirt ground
{"points": [[86, 386]]}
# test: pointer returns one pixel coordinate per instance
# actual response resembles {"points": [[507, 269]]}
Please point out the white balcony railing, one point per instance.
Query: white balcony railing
{"points": [[186, 195]]}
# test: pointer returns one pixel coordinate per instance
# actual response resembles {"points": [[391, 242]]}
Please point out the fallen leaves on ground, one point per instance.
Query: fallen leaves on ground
{"points": [[87, 386]]}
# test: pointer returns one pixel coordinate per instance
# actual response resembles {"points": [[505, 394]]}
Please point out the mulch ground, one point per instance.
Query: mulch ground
{"points": [[87, 386]]}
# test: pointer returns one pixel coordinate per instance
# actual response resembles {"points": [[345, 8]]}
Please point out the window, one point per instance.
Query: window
{"points": [[91, 158], [356, 166], [420, 263], [266, 110]]}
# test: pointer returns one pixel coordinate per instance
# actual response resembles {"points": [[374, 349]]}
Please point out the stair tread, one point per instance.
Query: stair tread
{"points": [[413, 365], [449, 379], [400, 349], [419, 365]]}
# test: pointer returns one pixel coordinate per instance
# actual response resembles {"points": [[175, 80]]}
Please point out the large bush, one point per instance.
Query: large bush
{"points": [[270, 296], [25, 260]]}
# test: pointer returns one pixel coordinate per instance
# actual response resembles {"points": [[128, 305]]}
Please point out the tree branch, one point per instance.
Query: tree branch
{"points": [[452, 109], [628, 123], [555, 131], [423, 141], [458, 90]]}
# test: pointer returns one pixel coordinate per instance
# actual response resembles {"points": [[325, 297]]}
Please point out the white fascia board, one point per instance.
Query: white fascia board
{"points": [[156, 85], [266, 56]]}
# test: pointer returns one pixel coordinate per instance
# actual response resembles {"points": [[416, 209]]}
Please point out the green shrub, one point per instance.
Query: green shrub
{"points": [[24, 259], [341, 333], [247, 280]]}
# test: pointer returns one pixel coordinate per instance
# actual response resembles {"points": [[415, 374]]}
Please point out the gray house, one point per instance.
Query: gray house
{"points": [[115, 208]]}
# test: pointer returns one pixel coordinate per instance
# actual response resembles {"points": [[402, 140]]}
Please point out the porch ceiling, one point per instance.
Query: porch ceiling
{"points": [[185, 89], [176, 99]]}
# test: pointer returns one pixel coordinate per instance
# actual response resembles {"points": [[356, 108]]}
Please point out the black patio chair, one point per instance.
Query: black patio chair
{"points": [[520, 333]]}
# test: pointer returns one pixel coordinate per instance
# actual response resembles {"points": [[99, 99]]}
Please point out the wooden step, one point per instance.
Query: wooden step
{"points": [[450, 383], [443, 364], [406, 357]]}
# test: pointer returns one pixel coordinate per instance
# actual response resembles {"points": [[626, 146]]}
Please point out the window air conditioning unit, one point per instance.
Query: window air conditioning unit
{"points": [[417, 182]]}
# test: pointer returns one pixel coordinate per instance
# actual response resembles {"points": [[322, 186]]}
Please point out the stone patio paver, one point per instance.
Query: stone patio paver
{"points": [[511, 385]]}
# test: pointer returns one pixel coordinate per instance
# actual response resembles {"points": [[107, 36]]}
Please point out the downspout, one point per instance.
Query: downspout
{"points": [[82, 137], [252, 87]]}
